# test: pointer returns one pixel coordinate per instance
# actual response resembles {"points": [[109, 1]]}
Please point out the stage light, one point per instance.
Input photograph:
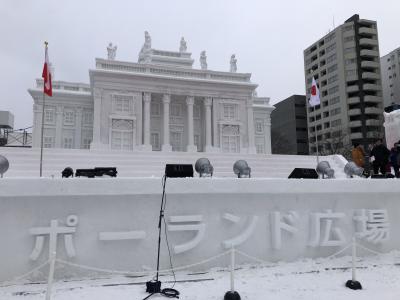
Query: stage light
{"points": [[4, 165], [204, 167], [242, 169], [67, 172], [352, 169], [324, 168]]}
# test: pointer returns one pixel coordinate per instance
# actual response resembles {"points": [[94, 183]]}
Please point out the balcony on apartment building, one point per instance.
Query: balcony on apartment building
{"points": [[368, 42], [371, 87], [354, 112], [369, 64], [372, 99], [373, 111], [369, 53], [370, 75]]}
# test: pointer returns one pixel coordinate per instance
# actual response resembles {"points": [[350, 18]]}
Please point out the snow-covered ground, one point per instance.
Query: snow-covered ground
{"points": [[305, 279]]}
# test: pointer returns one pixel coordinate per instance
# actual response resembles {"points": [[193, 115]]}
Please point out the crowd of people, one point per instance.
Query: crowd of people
{"points": [[383, 160]]}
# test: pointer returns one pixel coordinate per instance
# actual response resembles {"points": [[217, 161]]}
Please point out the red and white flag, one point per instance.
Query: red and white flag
{"points": [[314, 99], [47, 88]]}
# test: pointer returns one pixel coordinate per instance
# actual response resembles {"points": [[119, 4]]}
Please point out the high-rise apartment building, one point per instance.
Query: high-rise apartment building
{"points": [[390, 69], [289, 126], [346, 66]]}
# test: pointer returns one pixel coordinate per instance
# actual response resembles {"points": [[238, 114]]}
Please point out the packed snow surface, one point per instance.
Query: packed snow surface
{"points": [[305, 279]]}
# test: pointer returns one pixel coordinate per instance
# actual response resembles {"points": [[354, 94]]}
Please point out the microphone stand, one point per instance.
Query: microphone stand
{"points": [[154, 286]]}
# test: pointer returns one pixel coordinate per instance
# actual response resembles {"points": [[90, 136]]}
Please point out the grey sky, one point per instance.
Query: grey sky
{"points": [[268, 37]]}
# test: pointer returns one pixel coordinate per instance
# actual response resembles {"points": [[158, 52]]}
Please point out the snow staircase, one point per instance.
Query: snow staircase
{"points": [[24, 162]]}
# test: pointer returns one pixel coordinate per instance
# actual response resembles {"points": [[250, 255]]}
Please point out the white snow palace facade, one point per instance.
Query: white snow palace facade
{"points": [[160, 103]]}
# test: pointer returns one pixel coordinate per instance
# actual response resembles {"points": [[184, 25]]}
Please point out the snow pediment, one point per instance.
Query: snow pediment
{"points": [[163, 57]]}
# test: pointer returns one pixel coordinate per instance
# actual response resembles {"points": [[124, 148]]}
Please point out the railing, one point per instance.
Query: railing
{"points": [[170, 71], [16, 138]]}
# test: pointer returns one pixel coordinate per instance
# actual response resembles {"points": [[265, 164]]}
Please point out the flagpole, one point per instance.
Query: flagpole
{"points": [[41, 137], [316, 139]]}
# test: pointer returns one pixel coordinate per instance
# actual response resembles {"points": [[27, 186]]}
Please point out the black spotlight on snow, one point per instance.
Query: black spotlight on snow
{"points": [[324, 168], [354, 285], [352, 169], [67, 172], [4, 165], [204, 167], [242, 169], [232, 296]]}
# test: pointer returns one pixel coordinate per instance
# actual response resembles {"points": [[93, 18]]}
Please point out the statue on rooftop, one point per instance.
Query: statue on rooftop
{"points": [[183, 46], [111, 51], [147, 41], [203, 60], [233, 64]]}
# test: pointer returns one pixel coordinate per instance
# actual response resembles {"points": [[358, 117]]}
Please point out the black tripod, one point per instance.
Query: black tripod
{"points": [[154, 286]]}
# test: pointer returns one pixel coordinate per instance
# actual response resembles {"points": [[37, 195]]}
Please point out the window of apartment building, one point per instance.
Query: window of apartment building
{"points": [[312, 119], [335, 111], [324, 103], [155, 109], [319, 127], [326, 125], [299, 105], [318, 117], [333, 90], [330, 37], [49, 116], [332, 79], [348, 28], [348, 38], [332, 68], [331, 58], [351, 73], [334, 100], [69, 117], [331, 48], [349, 50], [350, 61], [336, 123], [336, 133], [326, 114]]}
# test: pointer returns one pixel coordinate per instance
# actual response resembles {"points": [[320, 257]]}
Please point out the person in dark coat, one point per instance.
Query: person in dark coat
{"points": [[394, 159], [381, 157]]}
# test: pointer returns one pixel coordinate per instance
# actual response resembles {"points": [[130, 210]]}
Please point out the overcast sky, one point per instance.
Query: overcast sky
{"points": [[268, 37]]}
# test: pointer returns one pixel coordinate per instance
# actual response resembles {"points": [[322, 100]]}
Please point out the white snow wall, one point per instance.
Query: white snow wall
{"points": [[117, 220]]}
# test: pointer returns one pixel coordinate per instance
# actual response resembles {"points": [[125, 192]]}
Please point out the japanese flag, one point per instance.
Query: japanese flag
{"points": [[46, 74], [314, 99]]}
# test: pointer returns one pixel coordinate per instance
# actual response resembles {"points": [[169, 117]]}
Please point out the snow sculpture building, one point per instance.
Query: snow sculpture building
{"points": [[160, 103]]}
